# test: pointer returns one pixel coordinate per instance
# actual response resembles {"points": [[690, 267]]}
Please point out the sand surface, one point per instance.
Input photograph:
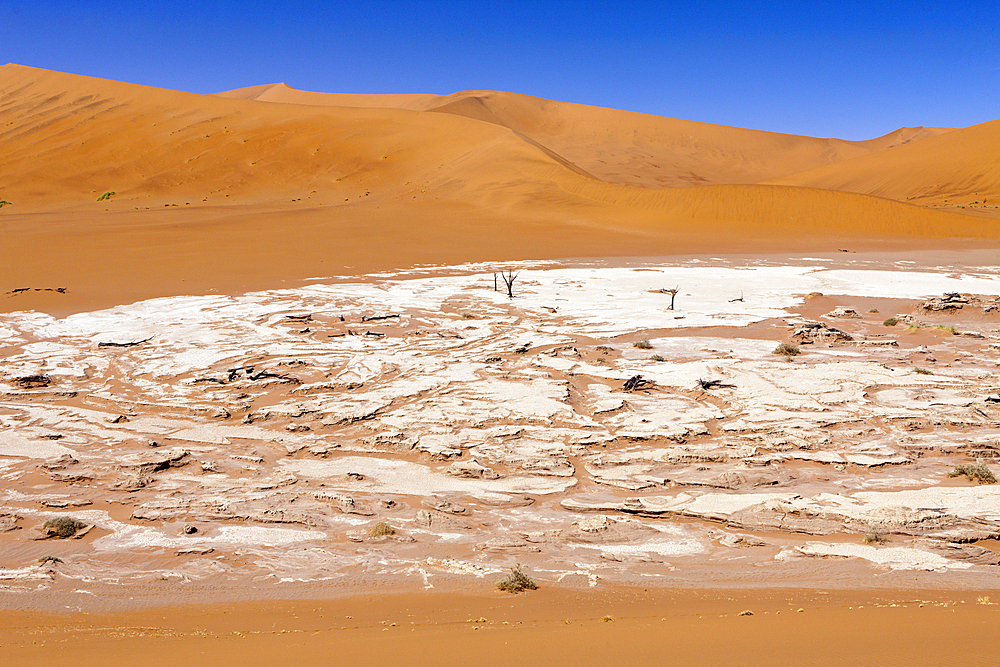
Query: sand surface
{"points": [[240, 331], [633, 626]]}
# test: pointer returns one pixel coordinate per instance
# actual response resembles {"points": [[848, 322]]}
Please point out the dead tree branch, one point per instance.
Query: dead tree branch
{"points": [[508, 279], [132, 344]]}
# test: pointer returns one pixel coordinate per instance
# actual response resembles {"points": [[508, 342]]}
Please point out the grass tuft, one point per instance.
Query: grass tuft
{"points": [[516, 581], [787, 350]]}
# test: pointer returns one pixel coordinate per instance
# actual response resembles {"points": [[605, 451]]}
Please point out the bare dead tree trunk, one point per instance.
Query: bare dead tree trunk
{"points": [[508, 280], [673, 295], [494, 282]]}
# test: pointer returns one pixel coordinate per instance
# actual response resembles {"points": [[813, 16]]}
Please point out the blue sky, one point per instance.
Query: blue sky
{"points": [[853, 70]]}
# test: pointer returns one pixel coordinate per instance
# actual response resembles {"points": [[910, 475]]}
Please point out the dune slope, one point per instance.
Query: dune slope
{"points": [[214, 193], [621, 147], [959, 168]]}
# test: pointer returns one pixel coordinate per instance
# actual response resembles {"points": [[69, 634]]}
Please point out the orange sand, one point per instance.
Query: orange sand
{"points": [[217, 193], [545, 627]]}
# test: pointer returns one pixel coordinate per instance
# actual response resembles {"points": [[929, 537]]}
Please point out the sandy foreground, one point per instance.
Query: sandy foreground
{"points": [[557, 627]]}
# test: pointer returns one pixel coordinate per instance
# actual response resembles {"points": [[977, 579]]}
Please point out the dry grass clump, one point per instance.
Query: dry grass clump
{"points": [[381, 529], [922, 371], [643, 344], [875, 536], [63, 526], [516, 581], [745, 612], [974, 473], [787, 350], [607, 619], [657, 357]]}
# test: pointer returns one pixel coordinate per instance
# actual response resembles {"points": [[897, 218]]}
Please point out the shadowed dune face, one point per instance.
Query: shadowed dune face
{"points": [[230, 193]]}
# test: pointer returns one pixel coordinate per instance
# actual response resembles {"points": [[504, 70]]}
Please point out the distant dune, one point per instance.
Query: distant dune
{"points": [[621, 146], [961, 168], [265, 185]]}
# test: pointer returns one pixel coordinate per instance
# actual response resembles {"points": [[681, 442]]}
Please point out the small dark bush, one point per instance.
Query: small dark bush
{"points": [[657, 357], [890, 322], [516, 581], [643, 344], [787, 350], [922, 371], [63, 526]]}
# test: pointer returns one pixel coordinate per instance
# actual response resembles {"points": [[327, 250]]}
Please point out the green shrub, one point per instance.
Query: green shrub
{"points": [[4, 202], [974, 473], [106, 195], [890, 322], [63, 526], [516, 581]]}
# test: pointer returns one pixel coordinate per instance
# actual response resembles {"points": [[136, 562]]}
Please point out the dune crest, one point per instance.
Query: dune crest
{"points": [[199, 179]]}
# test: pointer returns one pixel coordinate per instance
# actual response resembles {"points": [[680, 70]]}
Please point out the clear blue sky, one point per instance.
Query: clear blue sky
{"points": [[853, 70]]}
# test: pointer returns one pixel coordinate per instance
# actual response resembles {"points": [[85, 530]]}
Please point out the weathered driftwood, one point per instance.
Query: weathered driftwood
{"points": [[376, 318], [636, 382], [33, 381], [299, 318], [19, 290], [130, 344], [714, 384]]}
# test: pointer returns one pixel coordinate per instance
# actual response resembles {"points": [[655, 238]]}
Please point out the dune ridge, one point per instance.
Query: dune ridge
{"points": [[622, 147], [199, 179], [956, 169]]}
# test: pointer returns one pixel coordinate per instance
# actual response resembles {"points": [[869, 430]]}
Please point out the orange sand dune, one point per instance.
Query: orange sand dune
{"points": [[621, 146], [215, 193], [959, 168]]}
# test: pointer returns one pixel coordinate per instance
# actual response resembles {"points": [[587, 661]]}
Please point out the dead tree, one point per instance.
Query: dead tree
{"points": [[672, 293], [508, 280]]}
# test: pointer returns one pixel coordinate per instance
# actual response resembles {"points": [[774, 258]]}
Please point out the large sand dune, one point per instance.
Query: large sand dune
{"points": [[621, 146], [233, 193], [958, 169]]}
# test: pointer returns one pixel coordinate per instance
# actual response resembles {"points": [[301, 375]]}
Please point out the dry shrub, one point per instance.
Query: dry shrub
{"points": [[516, 581]]}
